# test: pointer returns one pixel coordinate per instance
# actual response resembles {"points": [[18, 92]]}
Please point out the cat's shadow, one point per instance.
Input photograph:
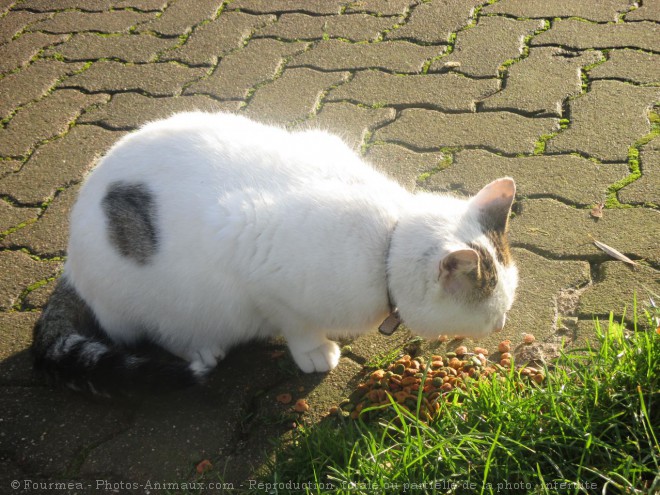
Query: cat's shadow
{"points": [[234, 419]]}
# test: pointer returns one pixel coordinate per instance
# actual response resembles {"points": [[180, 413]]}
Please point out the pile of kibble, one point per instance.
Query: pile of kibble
{"points": [[439, 380]]}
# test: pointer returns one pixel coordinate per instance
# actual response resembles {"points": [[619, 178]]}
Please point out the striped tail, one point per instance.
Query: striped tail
{"points": [[72, 350]]}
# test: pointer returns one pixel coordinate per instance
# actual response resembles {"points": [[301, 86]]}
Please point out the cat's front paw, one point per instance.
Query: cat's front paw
{"points": [[323, 358]]}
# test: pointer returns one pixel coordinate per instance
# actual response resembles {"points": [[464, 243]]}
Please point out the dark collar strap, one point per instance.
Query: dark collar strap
{"points": [[393, 321]]}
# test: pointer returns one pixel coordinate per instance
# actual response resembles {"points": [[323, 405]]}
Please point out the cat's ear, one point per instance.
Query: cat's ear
{"points": [[456, 263], [493, 204], [458, 269]]}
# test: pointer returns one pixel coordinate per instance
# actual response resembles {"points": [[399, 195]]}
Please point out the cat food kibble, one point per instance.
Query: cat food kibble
{"points": [[413, 384], [504, 346], [203, 466]]}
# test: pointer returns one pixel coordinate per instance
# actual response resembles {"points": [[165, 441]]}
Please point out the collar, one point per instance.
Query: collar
{"points": [[393, 320], [391, 323]]}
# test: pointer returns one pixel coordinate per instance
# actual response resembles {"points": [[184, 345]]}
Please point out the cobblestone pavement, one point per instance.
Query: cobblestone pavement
{"points": [[444, 95]]}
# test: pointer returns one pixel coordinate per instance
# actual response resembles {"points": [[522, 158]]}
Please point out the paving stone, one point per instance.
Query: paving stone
{"points": [[541, 82], [118, 21], [92, 5], [240, 71], [131, 110], [31, 83], [645, 189], [179, 18], [5, 5], [650, 11], [381, 7], [17, 272], [16, 21], [281, 6], [653, 144], [50, 437], [355, 27], [548, 226], [598, 11], [400, 56], [572, 33], [49, 235], [615, 288], [449, 92], [158, 79], [215, 39], [295, 27], [21, 50], [367, 347], [170, 434], [358, 27], [606, 121], [350, 122], [571, 178], [433, 22], [403, 164], [15, 342], [12, 216], [140, 4], [292, 96], [481, 50], [58, 163], [127, 47], [9, 166], [631, 65], [43, 119], [501, 131]]}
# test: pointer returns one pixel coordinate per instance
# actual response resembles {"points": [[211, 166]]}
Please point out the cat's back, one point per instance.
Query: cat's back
{"points": [[206, 174], [227, 151]]}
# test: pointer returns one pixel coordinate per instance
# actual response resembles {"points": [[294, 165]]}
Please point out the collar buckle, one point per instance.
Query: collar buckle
{"points": [[391, 323]]}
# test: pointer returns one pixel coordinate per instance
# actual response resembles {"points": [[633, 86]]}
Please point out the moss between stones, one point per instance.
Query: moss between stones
{"points": [[539, 147], [612, 200], [21, 225], [446, 162], [18, 305]]}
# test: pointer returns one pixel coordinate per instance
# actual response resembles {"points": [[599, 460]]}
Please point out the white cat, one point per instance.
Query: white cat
{"points": [[203, 231]]}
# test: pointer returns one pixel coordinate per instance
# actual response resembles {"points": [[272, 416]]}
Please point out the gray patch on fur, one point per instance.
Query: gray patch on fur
{"points": [[131, 213]]}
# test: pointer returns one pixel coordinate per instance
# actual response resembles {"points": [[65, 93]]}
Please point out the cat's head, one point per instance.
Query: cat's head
{"points": [[451, 271]]}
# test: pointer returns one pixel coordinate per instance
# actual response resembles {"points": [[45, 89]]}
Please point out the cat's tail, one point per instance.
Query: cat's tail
{"points": [[72, 350]]}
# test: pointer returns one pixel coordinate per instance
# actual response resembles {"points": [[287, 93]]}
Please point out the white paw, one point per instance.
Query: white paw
{"points": [[204, 360], [323, 358]]}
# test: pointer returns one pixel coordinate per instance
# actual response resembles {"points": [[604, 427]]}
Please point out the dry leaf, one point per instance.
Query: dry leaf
{"points": [[614, 253], [597, 211]]}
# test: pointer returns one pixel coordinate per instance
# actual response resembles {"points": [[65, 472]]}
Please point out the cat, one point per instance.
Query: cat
{"points": [[207, 230]]}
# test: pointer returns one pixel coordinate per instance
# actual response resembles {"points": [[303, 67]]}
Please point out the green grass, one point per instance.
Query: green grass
{"points": [[594, 425]]}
